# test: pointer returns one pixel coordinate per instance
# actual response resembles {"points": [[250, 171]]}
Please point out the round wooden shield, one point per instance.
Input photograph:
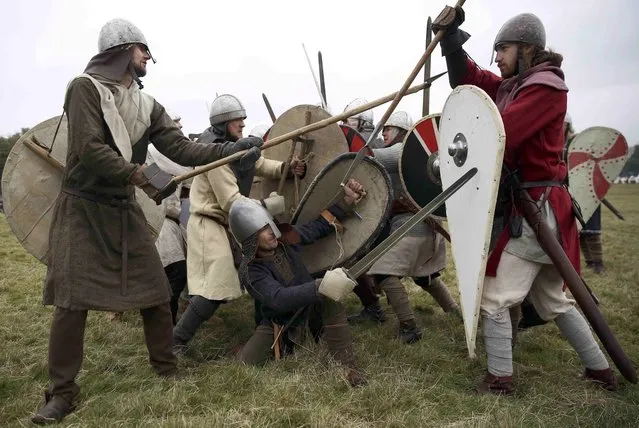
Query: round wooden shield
{"points": [[471, 135], [31, 185], [596, 157], [360, 229], [317, 147], [355, 140], [419, 144]]}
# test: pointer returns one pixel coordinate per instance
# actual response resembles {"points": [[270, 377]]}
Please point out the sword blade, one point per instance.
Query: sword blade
{"points": [[269, 108], [320, 61], [319, 91], [364, 264]]}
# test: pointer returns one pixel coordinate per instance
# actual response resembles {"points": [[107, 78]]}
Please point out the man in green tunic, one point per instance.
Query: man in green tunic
{"points": [[101, 254]]}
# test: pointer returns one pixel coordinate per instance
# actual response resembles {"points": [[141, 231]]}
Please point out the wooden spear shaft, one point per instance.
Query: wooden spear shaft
{"points": [[304, 130]]}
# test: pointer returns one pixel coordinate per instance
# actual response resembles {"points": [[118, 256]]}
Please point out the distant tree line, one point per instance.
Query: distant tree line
{"points": [[6, 144], [632, 166]]}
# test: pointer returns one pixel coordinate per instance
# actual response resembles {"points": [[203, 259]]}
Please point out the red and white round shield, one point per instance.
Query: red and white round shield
{"points": [[595, 158]]}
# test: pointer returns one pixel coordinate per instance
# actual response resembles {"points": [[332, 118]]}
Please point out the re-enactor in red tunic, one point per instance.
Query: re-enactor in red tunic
{"points": [[532, 98]]}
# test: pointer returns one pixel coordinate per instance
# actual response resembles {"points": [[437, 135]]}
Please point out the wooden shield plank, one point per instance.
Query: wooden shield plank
{"points": [[596, 157], [361, 230], [325, 144], [420, 143], [470, 115], [31, 185]]}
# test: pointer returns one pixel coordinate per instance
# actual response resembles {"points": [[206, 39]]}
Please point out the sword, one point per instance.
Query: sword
{"points": [[321, 73], [372, 256], [369, 259], [269, 108], [612, 208], [319, 90], [553, 248]]}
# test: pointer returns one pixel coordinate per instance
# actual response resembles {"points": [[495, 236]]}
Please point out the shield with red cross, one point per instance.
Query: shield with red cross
{"points": [[596, 156]]}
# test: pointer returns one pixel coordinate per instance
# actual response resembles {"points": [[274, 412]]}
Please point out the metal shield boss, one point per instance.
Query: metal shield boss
{"points": [[360, 229], [419, 163], [318, 148], [471, 134], [31, 185], [596, 157]]}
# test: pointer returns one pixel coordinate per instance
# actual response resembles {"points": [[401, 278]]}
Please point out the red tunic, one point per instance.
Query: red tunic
{"points": [[533, 114]]}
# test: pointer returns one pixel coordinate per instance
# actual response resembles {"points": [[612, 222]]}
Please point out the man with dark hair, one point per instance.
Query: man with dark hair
{"points": [[101, 254], [532, 98]]}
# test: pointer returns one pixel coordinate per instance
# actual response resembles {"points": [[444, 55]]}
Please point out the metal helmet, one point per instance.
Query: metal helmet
{"points": [[224, 108], [119, 32], [400, 119], [259, 131], [366, 116], [247, 217], [524, 28]]}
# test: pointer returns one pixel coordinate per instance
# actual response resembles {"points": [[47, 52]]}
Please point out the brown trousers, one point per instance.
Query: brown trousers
{"points": [[66, 346], [326, 320]]}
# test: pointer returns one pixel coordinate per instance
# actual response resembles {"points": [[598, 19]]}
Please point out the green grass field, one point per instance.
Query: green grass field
{"points": [[429, 383]]}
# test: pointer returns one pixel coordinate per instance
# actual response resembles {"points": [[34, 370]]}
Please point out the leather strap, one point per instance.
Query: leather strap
{"points": [[332, 220], [532, 184]]}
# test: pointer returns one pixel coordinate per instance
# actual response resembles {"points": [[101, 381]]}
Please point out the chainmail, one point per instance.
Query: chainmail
{"points": [[283, 265], [249, 250]]}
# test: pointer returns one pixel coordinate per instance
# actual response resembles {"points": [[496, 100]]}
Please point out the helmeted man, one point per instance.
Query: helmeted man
{"points": [[421, 254], [171, 242], [273, 272], [532, 98], [101, 255], [590, 235], [212, 275], [363, 122]]}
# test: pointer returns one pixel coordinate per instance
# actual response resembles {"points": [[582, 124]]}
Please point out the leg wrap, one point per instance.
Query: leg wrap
{"points": [[438, 290], [397, 298], [498, 342], [200, 309], [576, 330]]}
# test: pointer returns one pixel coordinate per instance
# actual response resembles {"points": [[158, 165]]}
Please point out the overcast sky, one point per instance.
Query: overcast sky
{"points": [[249, 47]]}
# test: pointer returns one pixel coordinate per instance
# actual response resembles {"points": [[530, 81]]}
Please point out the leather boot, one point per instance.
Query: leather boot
{"points": [[499, 385], [409, 332], [55, 409], [604, 378], [372, 312]]}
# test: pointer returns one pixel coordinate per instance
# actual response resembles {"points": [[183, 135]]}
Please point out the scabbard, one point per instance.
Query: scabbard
{"points": [[555, 251]]}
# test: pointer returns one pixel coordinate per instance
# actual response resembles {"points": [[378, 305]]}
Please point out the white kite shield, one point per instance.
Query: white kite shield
{"points": [[471, 135], [595, 158], [31, 185]]}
